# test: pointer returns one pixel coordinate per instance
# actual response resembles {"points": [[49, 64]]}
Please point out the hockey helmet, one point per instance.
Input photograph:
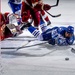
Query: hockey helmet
{"points": [[70, 29]]}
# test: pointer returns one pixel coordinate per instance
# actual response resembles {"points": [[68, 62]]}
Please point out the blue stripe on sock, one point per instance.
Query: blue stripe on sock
{"points": [[31, 29]]}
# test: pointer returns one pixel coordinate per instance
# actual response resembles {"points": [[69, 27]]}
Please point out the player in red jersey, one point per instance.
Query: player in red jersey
{"points": [[32, 8], [4, 31], [8, 27]]}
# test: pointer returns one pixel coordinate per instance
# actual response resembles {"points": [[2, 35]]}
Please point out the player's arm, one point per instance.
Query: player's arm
{"points": [[42, 7], [25, 14]]}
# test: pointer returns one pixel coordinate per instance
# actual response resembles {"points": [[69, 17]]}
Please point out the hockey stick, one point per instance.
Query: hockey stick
{"points": [[32, 45], [25, 25], [72, 50], [53, 15], [55, 4], [23, 37], [17, 39], [17, 48]]}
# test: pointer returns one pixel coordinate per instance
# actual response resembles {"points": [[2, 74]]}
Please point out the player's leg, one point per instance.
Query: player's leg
{"points": [[35, 32], [43, 26], [12, 6], [36, 18], [45, 17]]}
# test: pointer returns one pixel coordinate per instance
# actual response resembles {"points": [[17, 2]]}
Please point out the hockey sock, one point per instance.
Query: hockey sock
{"points": [[34, 31]]}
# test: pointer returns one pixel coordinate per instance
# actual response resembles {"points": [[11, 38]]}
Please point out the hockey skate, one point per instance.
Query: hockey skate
{"points": [[25, 25], [48, 23]]}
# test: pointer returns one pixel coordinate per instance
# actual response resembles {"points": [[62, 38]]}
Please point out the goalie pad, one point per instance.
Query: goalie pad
{"points": [[12, 28], [13, 19]]}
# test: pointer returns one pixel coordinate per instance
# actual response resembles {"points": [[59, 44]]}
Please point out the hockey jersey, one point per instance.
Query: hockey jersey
{"points": [[15, 5], [57, 35], [4, 32], [2, 20], [62, 40], [15, 1]]}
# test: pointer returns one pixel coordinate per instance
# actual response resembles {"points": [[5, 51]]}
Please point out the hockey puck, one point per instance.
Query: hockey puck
{"points": [[67, 59]]}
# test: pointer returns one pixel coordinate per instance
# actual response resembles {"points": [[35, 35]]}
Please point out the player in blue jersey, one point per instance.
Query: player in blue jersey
{"points": [[56, 35], [15, 6]]}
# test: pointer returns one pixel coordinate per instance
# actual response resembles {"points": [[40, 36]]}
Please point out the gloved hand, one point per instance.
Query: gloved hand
{"points": [[42, 7], [61, 41], [46, 7], [51, 41]]}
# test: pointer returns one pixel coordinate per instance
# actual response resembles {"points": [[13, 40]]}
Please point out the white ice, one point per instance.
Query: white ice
{"points": [[41, 59]]}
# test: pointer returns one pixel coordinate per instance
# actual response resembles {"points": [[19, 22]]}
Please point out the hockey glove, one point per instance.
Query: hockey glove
{"points": [[46, 7], [40, 7], [61, 42], [51, 41]]}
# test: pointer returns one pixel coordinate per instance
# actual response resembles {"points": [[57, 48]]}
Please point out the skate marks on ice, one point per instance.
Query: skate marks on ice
{"points": [[38, 51]]}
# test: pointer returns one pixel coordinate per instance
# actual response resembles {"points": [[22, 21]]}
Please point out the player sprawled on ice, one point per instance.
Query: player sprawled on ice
{"points": [[56, 35], [8, 25]]}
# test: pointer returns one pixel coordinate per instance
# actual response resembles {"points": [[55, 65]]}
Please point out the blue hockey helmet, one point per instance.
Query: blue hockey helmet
{"points": [[70, 29]]}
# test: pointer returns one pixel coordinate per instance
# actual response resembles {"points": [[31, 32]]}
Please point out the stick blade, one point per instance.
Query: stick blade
{"points": [[72, 50], [57, 15]]}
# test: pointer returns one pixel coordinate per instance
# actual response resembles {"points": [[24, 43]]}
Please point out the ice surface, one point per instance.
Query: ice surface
{"points": [[42, 59]]}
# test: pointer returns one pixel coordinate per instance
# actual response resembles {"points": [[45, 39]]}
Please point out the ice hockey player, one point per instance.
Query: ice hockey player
{"points": [[3, 28], [15, 6], [32, 7], [56, 35], [8, 25]]}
